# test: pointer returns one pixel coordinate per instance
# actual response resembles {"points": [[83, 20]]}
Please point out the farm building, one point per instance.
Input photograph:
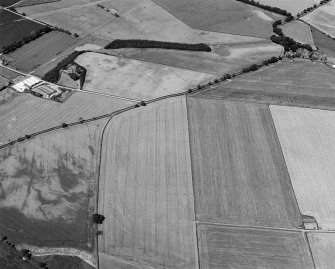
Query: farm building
{"points": [[26, 84], [46, 91]]}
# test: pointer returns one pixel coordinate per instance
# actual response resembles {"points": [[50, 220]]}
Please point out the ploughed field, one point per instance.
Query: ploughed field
{"points": [[41, 50], [47, 187], [308, 142], [7, 3], [240, 248], [14, 27], [239, 173], [145, 187], [325, 43]]}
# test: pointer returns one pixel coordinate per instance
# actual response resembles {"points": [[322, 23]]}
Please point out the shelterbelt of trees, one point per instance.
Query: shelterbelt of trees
{"points": [[266, 7], [287, 42], [143, 43]]}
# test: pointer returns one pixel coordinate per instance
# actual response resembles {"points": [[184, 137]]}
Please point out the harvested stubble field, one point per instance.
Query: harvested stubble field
{"points": [[222, 16], [135, 79], [322, 246], [109, 262], [323, 42], [138, 20], [240, 248], [41, 50], [323, 18], [300, 79], [308, 142], [14, 27], [47, 188], [145, 189], [294, 7], [23, 114], [222, 59], [239, 172], [299, 31]]}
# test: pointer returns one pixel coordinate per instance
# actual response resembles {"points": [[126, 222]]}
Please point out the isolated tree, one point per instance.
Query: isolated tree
{"points": [[97, 218], [26, 254], [42, 264], [143, 103]]}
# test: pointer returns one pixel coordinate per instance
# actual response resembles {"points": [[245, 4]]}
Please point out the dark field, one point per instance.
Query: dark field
{"points": [[7, 3], [239, 173], [14, 27], [325, 43], [10, 258], [241, 248], [63, 262], [8, 73], [41, 50]]}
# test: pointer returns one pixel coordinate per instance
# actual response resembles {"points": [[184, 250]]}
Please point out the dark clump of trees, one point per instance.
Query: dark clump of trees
{"points": [[289, 44], [97, 218], [142, 43], [266, 7], [17, 44], [53, 75]]}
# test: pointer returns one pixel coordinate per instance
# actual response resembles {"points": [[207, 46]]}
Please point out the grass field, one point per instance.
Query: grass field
{"points": [[138, 19], [8, 73], [14, 27], [322, 246], [323, 18], [299, 31], [222, 59], [240, 248], [221, 16], [41, 50], [300, 79], [47, 187], [308, 142], [145, 189], [294, 7], [325, 43], [239, 172], [3, 82], [23, 114], [135, 79]]}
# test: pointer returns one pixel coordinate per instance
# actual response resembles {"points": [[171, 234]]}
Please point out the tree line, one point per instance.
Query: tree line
{"points": [[17, 44], [143, 43], [266, 7], [309, 9], [285, 41], [54, 74]]}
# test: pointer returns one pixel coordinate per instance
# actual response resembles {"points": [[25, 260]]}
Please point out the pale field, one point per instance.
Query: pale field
{"points": [[294, 7], [23, 113], [141, 19], [241, 248], [299, 31], [222, 16], [47, 186], [308, 142], [145, 189], [239, 173], [323, 18], [23, 3], [135, 79], [66, 80], [222, 59], [322, 246]]}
